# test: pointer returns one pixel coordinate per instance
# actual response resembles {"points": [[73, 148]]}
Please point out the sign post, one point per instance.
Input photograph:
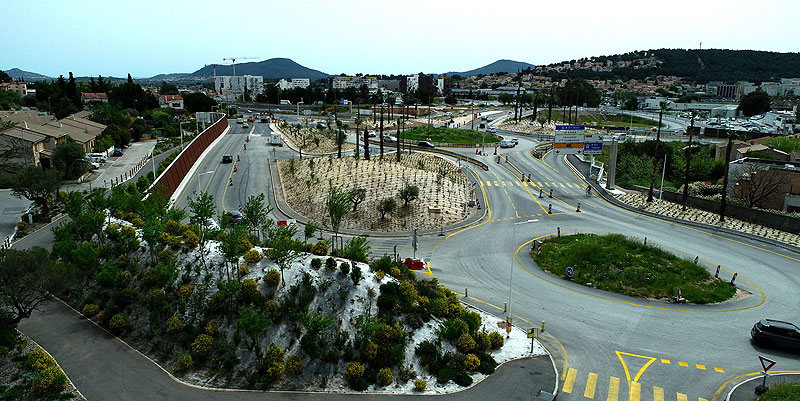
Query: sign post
{"points": [[767, 364], [532, 336], [414, 242]]}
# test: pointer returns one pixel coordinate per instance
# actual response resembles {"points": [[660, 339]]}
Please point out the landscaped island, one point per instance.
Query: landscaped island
{"points": [[617, 264]]}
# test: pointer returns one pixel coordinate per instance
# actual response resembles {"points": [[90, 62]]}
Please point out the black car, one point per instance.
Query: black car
{"points": [[425, 144], [227, 159], [117, 152], [235, 216], [768, 332]]}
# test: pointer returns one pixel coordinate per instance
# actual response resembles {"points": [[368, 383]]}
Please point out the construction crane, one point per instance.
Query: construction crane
{"points": [[233, 61]]}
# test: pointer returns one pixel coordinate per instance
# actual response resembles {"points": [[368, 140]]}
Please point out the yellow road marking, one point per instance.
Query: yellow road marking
{"points": [[684, 364], [701, 399], [719, 370], [538, 184], [681, 397], [635, 391], [591, 382], [613, 389], [547, 183], [495, 184], [570, 381], [703, 367], [641, 371], [526, 190], [488, 183], [665, 361], [658, 394], [562, 185]]}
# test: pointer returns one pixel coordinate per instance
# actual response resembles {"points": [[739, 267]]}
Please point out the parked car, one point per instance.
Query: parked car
{"points": [[515, 140], [372, 134], [620, 137], [389, 138], [118, 152], [227, 159], [425, 144], [776, 333], [102, 157]]}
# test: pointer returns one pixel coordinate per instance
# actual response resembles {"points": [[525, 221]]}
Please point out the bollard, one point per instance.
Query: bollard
{"points": [[696, 259], [539, 250], [559, 232], [579, 208], [734, 277], [542, 330], [506, 159], [551, 192], [466, 292], [505, 307], [541, 190], [550, 209], [230, 182], [645, 240], [716, 275]]}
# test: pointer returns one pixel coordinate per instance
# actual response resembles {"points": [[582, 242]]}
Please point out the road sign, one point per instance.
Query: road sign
{"points": [[532, 333], [569, 139], [474, 184], [766, 363], [593, 148], [569, 271]]}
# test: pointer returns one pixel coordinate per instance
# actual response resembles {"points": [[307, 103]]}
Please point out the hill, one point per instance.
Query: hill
{"points": [[696, 65], [16, 73], [269, 69], [497, 66]]}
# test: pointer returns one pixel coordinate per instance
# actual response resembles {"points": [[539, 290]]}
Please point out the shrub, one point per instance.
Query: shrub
{"points": [[320, 248], [253, 256], [123, 279], [497, 340], [166, 255], [379, 276], [330, 263], [273, 278], [344, 267], [22, 225], [173, 227], [50, 380], [190, 239], [294, 365], [244, 243], [385, 377], [174, 242], [370, 350], [90, 310], [202, 345], [212, 327], [316, 263], [155, 297], [137, 222], [354, 370], [452, 329], [420, 385], [488, 364], [473, 320], [462, 378], [482, 341], [174, 325], [465, 343], [185, 290], [471, 362], [119, 323], [185, 362], [249, 289], [38, 360], [356, 274], [243, 270]]}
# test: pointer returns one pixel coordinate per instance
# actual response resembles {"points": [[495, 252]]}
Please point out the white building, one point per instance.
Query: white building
{"points": [[781, 120], [346, 81], [237, 84], [294, 83], [412, 83]]}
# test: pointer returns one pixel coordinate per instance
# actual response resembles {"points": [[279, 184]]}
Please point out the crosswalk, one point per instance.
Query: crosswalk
{"points": [[596, 389], [533, 184]]}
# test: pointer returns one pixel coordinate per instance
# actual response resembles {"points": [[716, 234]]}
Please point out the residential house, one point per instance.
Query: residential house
{"points": [[170, 101], [20, 146], [94, 97], [17, 86]]}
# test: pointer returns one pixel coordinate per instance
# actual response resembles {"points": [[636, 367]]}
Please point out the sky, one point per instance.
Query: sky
{"points": [[145, 38]]}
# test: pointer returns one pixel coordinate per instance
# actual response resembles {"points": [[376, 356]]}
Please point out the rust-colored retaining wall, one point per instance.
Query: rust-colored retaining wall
{"points": [[173, 175]]}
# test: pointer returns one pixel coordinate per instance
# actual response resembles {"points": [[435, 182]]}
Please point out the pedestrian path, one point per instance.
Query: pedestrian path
{"points": [[532, 184], [595, 386]]}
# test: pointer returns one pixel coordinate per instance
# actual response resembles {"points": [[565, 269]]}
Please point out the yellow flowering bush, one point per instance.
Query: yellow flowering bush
{"points": [[354, 370], [212, 328], [471, 362], [185, 362], [90, 310], [185, 290], [174, 325], [420, 385], [202, 345], [385, 377], [252, 256]]}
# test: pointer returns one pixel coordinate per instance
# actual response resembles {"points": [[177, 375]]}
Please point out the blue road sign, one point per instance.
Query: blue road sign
{"points": [[569, 271], [593, 146], [474, 184]]}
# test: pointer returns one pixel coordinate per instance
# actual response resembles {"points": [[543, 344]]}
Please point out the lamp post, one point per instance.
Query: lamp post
{"points": [[298, 108], [511, 276]]}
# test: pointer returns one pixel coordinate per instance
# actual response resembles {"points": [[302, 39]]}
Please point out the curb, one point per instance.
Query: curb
{"points": [[757, 377], [714, 229]]}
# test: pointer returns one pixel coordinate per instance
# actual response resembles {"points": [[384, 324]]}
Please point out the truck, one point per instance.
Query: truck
{"points": [[275, 140]]}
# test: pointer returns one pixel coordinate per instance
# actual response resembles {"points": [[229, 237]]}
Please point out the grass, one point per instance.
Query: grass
{"points": [[782, 392], [784, 143], [446, 135], [617, 264]]}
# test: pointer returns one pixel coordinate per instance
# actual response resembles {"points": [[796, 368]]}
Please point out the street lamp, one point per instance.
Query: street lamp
{"points": [[513, 257], [298, 108]]}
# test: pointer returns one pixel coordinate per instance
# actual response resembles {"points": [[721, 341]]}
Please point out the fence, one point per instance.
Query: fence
{"points": [[172, 176]]}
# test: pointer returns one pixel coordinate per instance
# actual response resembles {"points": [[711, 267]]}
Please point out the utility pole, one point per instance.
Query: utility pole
{"points": [[655, 157], [381, 138], [688, 163]]}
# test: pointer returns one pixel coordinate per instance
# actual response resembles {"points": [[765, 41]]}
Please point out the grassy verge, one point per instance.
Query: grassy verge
{"points": [[447, 135], [782, 392], [617, 264]]}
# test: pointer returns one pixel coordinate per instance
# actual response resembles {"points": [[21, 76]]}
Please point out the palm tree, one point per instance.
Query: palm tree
{"points": [[380, 140], [358, 121], [398, 139], [662, 106]]}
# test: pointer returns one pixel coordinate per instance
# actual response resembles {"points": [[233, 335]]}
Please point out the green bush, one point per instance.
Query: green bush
{"points": [[462, 378], [320, 248], [191, 240], [38, 360], [90, 310], [294, 365], [356, 274], [155, 297], [166, 255], [488, 364], [471, 362], [244, 270], [202, 345], [465, 343], [252, 256], [22, 225], [316, 263], [174, 325], [496, 339], [356, 249], [482, 341], [330, 263], [273, 278], [49, 380], [212, 328], [185, 362], [452, 329], [344, 267], [385, 377], [473, 320], [420, 385], [249, 289], [119, 324]]}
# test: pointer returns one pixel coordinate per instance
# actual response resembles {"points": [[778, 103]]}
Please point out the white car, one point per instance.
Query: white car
{"points": [[245, 125]]}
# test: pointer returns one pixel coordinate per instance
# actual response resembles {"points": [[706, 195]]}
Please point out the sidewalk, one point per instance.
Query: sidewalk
{"points": [[10, 213], [745, 391]]}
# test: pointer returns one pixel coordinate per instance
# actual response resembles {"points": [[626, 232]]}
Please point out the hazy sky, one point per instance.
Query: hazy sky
{"points": [[145, 37]]}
